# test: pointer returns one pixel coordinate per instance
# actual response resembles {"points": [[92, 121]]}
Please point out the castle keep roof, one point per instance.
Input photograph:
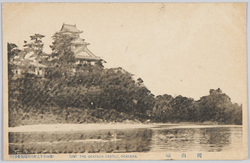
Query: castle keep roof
{"points": [[79, 46], [69, 28], [83, 53]]}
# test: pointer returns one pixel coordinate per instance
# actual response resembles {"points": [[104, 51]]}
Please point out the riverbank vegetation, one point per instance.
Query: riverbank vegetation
{"points": [[95, 94]]}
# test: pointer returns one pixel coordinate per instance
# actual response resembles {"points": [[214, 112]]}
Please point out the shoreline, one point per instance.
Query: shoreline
{"points": [[109, 126]]}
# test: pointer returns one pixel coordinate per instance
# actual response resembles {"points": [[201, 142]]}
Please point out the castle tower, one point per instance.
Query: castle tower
{"points": [[79, 46]]}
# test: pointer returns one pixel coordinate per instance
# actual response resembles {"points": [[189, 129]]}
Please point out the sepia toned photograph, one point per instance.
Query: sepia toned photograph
{"points": [[125, 81]]}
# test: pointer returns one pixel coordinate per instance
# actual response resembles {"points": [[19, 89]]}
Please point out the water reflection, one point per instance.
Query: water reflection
{"points": [[104, 141], [197, 139], [133, 140]]}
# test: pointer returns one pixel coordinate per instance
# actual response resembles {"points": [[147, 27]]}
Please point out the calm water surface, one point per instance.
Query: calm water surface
{"points": [[197, 139], [157, 139]]}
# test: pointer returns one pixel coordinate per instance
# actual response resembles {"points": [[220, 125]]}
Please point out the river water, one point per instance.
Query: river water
{"points": [[161, 138]]}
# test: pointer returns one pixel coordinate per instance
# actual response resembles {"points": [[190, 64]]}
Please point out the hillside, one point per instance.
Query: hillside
{"points": [[86, 93]]}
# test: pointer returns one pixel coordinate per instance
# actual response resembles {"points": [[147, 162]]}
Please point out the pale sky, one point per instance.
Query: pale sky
{"points": [[176, 48]]}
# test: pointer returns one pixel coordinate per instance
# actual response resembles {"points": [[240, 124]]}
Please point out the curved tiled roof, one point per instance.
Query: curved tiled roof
{"points": [[80, 51], [69, 28], [83, 53]]}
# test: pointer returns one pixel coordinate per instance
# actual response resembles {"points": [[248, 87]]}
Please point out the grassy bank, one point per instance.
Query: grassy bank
{"points": [[55, 115]]}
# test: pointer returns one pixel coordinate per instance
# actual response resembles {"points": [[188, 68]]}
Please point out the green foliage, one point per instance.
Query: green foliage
{"points": [[61, 49], [162, 110], [216, 107], [62, 57], [35, 45], [35, 48], [12, 52], [178, 109], [183, 109], [97, 94]]}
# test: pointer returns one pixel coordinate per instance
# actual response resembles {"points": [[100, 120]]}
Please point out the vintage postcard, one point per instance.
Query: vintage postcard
{"points": [[125, 81]]}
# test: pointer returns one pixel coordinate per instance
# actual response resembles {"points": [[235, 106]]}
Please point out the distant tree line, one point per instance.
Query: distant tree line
{"points": [[100, 94], [215, 107]]}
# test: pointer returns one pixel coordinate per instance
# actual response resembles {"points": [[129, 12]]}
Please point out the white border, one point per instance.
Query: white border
{"points": [[172, 1]]}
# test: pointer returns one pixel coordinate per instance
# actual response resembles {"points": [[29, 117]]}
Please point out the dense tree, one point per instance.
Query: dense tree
{"points": [[34, 48], [162, 110], [217, 106], [182, 107], [61, 46], [103, 94], [12, 52]]}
